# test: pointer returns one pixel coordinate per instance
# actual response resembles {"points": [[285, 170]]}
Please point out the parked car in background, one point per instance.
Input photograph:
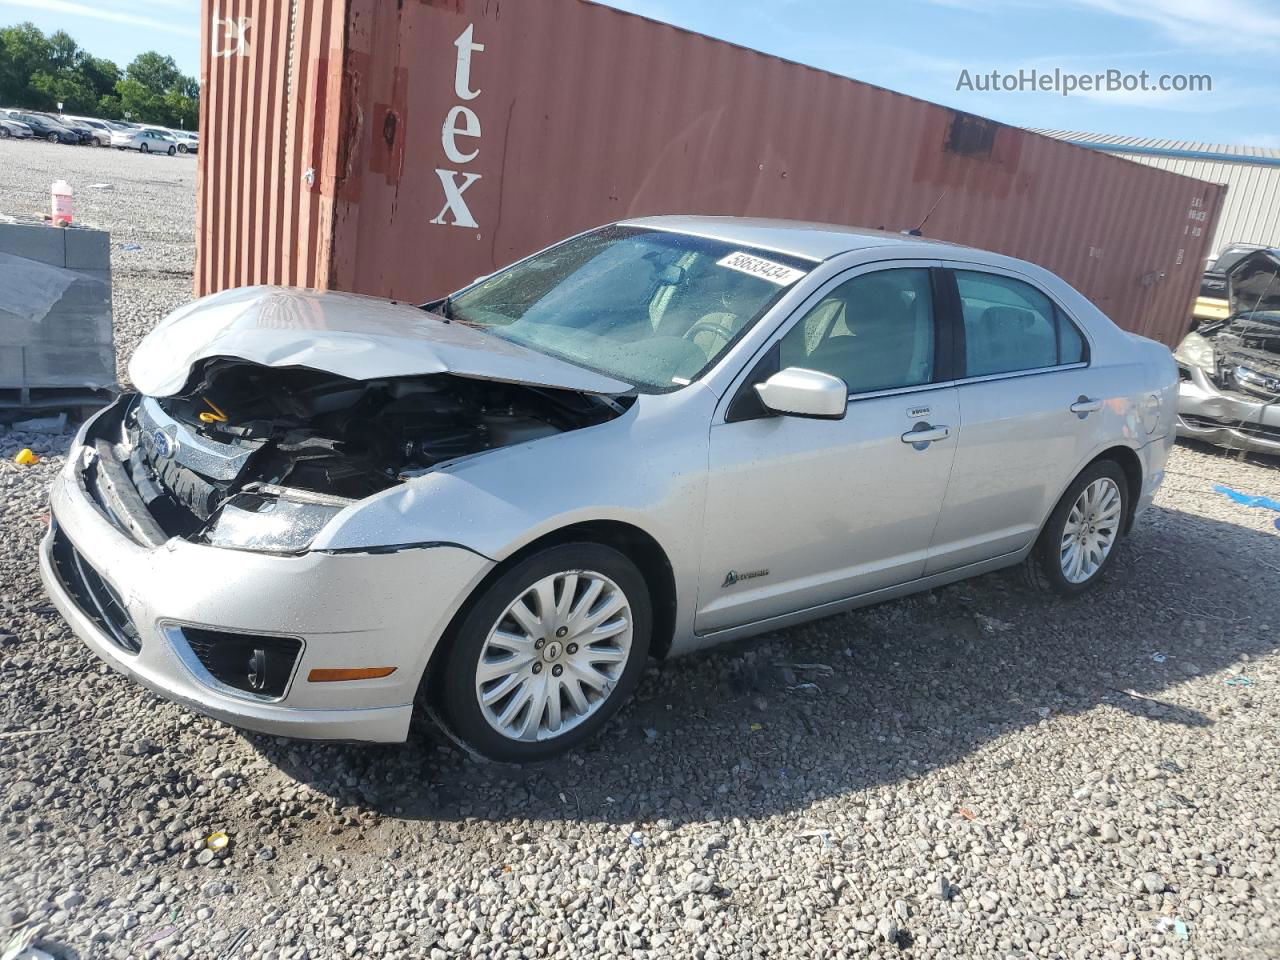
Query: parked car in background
{"points": [[98, 128], [1229, 392], [188, 142], [84, 135], [44, 127], [144, 141], [647, 439], [13, 128]]}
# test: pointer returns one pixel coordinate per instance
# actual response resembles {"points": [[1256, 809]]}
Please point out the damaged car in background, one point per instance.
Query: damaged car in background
{"points": [[1230, 368], [321, 512]]}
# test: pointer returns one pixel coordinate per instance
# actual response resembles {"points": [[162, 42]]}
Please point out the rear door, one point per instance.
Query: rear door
{"points": [[1029, 398], [804, 512]]}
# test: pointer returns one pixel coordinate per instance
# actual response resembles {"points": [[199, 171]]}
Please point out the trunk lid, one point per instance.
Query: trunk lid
{"points": [[346, 334]]}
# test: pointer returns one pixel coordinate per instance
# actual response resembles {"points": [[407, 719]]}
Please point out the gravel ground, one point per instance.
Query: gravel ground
{"points": [[974, 772]]}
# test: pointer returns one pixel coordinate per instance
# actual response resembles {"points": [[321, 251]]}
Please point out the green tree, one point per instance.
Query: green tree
{"points": [[24, 50], [41, 71]]}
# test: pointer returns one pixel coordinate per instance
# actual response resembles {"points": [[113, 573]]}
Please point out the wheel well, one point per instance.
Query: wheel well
{"points": [[638, 546], [1128, 462]]}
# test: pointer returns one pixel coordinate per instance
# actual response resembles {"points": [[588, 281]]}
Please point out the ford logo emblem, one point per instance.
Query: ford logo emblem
{"points": [[164, 446]]}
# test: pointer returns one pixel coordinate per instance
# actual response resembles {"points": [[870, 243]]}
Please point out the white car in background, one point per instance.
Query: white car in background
{"points": [[188, 142], [14, 128], [101, 132], [144, 141]]}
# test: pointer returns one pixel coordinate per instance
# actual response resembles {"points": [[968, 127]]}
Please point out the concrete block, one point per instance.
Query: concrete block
{"points": [[88, 250], [44, 244]]}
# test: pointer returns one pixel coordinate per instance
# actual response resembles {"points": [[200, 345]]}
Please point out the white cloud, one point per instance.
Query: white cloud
{"points": [[112, 12]]}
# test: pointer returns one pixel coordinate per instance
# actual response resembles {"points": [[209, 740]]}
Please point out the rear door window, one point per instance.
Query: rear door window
{"points": [[1010, 326]]}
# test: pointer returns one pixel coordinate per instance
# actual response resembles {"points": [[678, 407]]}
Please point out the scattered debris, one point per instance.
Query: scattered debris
{"points": [[757, 727], [54, 424], [102, 186], [163, 933], [1176, 924], [991, 625], [217, 840], [26, 457], [819, 668], [1246, 499], [650, 734], [130, 247], [636, 839], [236, 943], [1240, 681], [968, 814], [1159, 658]]}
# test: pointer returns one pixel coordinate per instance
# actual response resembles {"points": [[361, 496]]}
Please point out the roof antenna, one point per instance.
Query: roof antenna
{"points": [[917, 231]]}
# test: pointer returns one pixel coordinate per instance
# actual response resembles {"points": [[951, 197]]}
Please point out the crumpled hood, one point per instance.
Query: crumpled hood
{"points": [[345, 334]]}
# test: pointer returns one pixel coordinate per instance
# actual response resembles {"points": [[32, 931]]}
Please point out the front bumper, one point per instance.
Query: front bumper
{"points": [[347, 610], [1233, 420]]}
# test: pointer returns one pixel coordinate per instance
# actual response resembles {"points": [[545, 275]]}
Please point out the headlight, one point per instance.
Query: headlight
{"points": [[249, 521], [1195, 351]]}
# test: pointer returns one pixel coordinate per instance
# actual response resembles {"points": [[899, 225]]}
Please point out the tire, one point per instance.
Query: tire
{"points": [[144, 149], [4, 133], [52, 137], [172, 151], [1052, 562], [544, 651], [182, 148]]}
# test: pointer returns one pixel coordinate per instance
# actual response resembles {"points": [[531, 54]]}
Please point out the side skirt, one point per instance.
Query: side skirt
{"points": [[701, 641]]}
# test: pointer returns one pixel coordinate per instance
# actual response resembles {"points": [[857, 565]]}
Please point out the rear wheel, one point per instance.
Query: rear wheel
{"points": [[144, 149], [172, 151], [4, 133], [547, 654], [1078, 542]]}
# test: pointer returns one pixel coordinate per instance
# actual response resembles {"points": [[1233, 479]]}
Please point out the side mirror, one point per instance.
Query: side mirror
{"points": [[797, 392]]}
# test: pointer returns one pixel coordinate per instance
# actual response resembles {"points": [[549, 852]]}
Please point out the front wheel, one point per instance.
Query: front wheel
{"points": [[172, 151], [1078, 542], [547, 654], [52, 138], [182, 148], [144, 149]]}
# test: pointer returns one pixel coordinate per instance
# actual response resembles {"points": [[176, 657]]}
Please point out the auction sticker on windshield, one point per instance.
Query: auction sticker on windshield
{"points": [[777, 273]]}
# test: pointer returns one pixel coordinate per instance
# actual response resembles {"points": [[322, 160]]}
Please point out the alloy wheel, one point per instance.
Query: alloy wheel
{"points": [[554, 656], [1091, 529]]}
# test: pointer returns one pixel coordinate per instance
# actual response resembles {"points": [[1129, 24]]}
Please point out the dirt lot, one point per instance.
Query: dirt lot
{"points": [[975, 772]]}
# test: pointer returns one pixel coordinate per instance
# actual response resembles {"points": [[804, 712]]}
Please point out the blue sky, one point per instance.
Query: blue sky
{"points": [[918, 47]]}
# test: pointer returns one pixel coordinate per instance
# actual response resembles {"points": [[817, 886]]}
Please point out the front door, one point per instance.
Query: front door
{"points": [[804, 512]]}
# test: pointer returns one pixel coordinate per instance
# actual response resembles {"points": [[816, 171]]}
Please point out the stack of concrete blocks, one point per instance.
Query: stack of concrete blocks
{"points": [[56, 348]]}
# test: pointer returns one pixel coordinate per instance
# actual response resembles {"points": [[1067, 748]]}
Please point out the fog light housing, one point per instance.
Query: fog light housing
{"points": [[238, 664]]}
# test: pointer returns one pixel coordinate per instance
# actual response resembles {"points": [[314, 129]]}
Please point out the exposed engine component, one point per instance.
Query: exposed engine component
{"points": [[239, 427]]}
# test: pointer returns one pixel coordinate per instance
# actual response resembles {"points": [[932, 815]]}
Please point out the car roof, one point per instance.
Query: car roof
{"points": [[801, 238]]}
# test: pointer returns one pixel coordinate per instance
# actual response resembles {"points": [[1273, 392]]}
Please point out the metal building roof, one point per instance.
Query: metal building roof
{"points": [[1180, 149]]}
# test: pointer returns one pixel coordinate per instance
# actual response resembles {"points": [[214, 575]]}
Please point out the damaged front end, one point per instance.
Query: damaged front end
{"points": [[1230, 369], [253, 457]]}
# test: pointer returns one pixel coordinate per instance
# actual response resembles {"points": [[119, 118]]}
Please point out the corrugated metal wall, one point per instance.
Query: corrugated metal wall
{"points": [[271, 73], [1251, 213], [472, 132]]}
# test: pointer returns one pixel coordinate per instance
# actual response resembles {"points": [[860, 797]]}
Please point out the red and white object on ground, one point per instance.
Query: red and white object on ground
{"points": [[61, 202]]}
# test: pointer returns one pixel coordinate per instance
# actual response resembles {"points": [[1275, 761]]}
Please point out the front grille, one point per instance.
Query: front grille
{"points": [[93, 595], [1260, 431], [255, 665]]}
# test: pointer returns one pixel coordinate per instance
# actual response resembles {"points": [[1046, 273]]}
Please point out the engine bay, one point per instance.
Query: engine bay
{"points": [[238, 428]]}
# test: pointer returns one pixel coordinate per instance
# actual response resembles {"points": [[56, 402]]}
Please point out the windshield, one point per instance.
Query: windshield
{"points": [[654, 308]]}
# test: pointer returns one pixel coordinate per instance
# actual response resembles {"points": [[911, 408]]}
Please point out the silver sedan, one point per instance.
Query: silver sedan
{"points": [[323, 511]]}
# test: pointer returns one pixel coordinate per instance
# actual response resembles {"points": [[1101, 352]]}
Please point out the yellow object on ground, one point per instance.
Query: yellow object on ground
{"points": [[26, 457], [217, 841]]}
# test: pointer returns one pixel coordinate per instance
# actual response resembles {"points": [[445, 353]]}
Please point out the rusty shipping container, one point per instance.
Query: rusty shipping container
{"points": [[405, 148]]}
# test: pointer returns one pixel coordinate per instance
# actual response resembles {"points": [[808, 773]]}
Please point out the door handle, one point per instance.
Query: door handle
{"points": [[923, 434], [1085, 406]]}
